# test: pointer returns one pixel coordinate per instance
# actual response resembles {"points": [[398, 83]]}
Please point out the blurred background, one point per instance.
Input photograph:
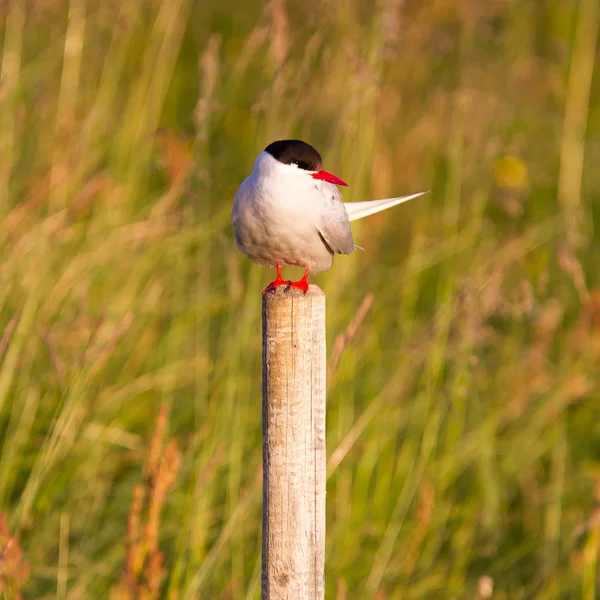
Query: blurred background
{"points": [[464, 344]]}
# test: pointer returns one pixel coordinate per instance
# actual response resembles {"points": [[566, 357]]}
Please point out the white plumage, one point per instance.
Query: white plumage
{"points": [[366, 208]]}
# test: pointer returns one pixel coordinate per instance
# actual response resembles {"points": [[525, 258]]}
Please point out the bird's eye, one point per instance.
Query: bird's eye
{"points": [[295, 162]]}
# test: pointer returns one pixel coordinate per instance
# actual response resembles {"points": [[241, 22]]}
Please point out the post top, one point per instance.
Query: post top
{"points": [[285, 291]]}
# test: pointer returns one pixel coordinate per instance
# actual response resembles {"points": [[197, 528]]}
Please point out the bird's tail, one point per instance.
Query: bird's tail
{"points": [[358, 210]]}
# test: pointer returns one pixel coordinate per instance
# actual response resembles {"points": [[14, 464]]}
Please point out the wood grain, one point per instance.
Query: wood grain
{"points": [[294, 371]]}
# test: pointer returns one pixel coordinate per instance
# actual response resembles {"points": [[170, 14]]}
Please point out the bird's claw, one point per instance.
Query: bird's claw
{"points": [[279, 280], [275, 284], [300, 285]]}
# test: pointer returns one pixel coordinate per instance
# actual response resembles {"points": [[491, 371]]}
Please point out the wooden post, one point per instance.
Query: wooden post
{"points": [[294, 368]]}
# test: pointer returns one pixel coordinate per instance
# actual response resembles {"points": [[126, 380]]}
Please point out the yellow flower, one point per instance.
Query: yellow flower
{"points": [[510, 172]]}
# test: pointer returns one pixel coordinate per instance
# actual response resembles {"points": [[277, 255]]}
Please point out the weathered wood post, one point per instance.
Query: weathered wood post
{"points": [[294, 368]]}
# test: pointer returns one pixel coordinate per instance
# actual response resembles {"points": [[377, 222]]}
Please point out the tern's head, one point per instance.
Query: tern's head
{"points": [[295, 159]]}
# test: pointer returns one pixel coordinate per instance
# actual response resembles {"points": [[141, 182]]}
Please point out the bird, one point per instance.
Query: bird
{"points": [[289, 211]]}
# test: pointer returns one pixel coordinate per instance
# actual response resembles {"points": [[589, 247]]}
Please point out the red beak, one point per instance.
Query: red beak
{"points": [[325, 176]]}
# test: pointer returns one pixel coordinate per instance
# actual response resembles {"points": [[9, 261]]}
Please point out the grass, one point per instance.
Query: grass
{"points": [[463, 432]]}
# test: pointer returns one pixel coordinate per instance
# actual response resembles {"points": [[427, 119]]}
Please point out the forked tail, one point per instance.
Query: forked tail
{"points": [[358, 210]]}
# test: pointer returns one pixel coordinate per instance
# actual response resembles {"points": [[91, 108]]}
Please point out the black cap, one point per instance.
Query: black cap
{"points": [[295, 152]]}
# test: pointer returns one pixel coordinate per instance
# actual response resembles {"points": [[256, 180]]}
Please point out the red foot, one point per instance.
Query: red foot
{"points": [[278, 281], [300, 285], [275, 284], [303, 283]]}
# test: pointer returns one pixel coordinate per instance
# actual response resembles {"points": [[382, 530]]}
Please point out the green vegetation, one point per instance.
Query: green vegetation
{"points": [[463, 414]]}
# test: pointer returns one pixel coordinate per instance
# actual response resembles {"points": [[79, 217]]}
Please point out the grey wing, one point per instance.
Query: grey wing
{"points": [[334, 227]]}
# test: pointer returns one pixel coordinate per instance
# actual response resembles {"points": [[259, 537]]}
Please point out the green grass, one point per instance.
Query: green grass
{"points": [[463, 432]]}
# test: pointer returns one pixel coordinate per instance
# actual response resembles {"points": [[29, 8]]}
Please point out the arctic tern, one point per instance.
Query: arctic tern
{"points": [[289, 211]]}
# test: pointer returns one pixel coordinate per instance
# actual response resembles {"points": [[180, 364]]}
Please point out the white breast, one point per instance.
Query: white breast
{"points": [[275, 216]]}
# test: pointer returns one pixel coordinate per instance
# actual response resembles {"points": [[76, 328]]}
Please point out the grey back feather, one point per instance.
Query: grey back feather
{"points": [[334, 227]]}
